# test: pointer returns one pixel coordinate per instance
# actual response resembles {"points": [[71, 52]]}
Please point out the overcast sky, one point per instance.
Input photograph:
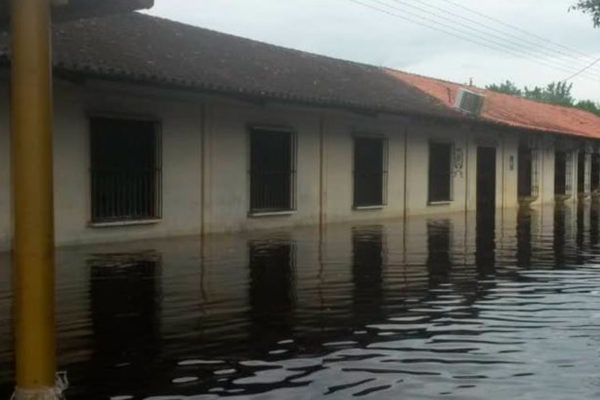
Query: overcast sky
{"points": [[345, 29]]}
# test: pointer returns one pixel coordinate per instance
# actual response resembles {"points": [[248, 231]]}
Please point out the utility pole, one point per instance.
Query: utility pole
{"points": [[32, 183], [33, 246]]}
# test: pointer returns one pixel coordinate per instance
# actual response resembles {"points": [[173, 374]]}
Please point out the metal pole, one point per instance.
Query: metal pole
{"points": [[33, 255]]}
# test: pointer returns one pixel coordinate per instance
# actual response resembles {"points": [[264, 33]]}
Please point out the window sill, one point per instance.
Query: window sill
{"points": [[260, 214], [439, 203], [367, 208], [124, 223]]}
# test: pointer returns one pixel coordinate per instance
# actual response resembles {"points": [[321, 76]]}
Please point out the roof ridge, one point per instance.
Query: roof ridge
{"points": [[485, 90]]}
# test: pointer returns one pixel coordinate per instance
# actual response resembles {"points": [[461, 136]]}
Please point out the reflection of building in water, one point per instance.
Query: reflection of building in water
{"points": [[271, 291], [594, 221], [524, 238], [485, 245], [368, 253], [559, 234], [439, 261], [125, 309]]}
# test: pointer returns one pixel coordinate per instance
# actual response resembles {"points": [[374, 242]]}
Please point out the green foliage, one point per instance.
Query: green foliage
{"points": [[554, 92], [589, 105], [591, 7], [507, 87]]}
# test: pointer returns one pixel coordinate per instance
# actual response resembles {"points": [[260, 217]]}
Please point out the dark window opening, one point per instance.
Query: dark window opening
{"points": [[125, 170], [369, 172], [560, 173], [440, 172], [271, 171], [581, 172], [525, 182], [595, 172]]}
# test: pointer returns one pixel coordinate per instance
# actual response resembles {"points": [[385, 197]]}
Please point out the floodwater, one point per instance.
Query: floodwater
{"points": [[437, 307]]}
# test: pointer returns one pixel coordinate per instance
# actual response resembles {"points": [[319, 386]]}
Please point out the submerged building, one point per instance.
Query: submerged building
{"points": [[164, 129]]}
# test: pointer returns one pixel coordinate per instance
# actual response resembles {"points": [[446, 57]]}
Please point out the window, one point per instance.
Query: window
{"points": [[271, 170], [370, 172], [125, 170], [528, 172], [581, 172], [595, 178], [440, 172], [560, 173]]}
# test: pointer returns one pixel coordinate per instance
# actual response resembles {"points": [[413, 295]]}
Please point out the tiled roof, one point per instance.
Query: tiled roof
{"points": [[141, 48], [511, 110]]}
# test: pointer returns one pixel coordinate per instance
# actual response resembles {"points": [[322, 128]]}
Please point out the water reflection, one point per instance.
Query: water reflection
{"points": [[439, 263], [125, 322], [498, 307], [524, 236], [485, 238], [271, 292], [367, 273]]}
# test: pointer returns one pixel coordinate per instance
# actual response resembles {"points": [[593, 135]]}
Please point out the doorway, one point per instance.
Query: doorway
{"points": [[486, 181]]}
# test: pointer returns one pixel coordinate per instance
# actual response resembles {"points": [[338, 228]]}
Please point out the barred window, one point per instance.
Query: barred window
{"points": [[125, 170], [271, 170], [370, 172]]}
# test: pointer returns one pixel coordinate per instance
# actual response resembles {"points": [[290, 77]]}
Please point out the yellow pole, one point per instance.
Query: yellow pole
{"points": [[33, 257]]}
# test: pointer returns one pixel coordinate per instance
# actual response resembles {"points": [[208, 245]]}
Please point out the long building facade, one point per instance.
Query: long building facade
{"points": [[134, 160]]}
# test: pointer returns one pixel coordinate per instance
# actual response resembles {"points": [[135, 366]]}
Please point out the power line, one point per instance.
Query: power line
{"points": [[536, 46], [480, 34], [483, 40], [583, 70], [500, 22]]}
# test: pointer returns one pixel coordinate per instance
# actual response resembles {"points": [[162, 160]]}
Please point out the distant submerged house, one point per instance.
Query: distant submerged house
{"points": [[166, 129]]}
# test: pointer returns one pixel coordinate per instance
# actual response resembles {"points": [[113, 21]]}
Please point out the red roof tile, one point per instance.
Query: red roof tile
{"points": [[511, 110]]}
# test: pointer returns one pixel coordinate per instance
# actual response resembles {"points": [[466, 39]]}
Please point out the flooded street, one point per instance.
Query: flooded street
{"points": [[428, 308]]}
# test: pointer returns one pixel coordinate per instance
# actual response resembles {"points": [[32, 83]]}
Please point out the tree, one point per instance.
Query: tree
{"points": [[589, 105], [554, 92], [591, 7], [507, 87]]}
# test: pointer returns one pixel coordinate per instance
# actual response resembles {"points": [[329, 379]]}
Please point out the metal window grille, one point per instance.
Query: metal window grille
{"points": [[370, 171], [272, 172], [126, 177], [440, 172]]}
